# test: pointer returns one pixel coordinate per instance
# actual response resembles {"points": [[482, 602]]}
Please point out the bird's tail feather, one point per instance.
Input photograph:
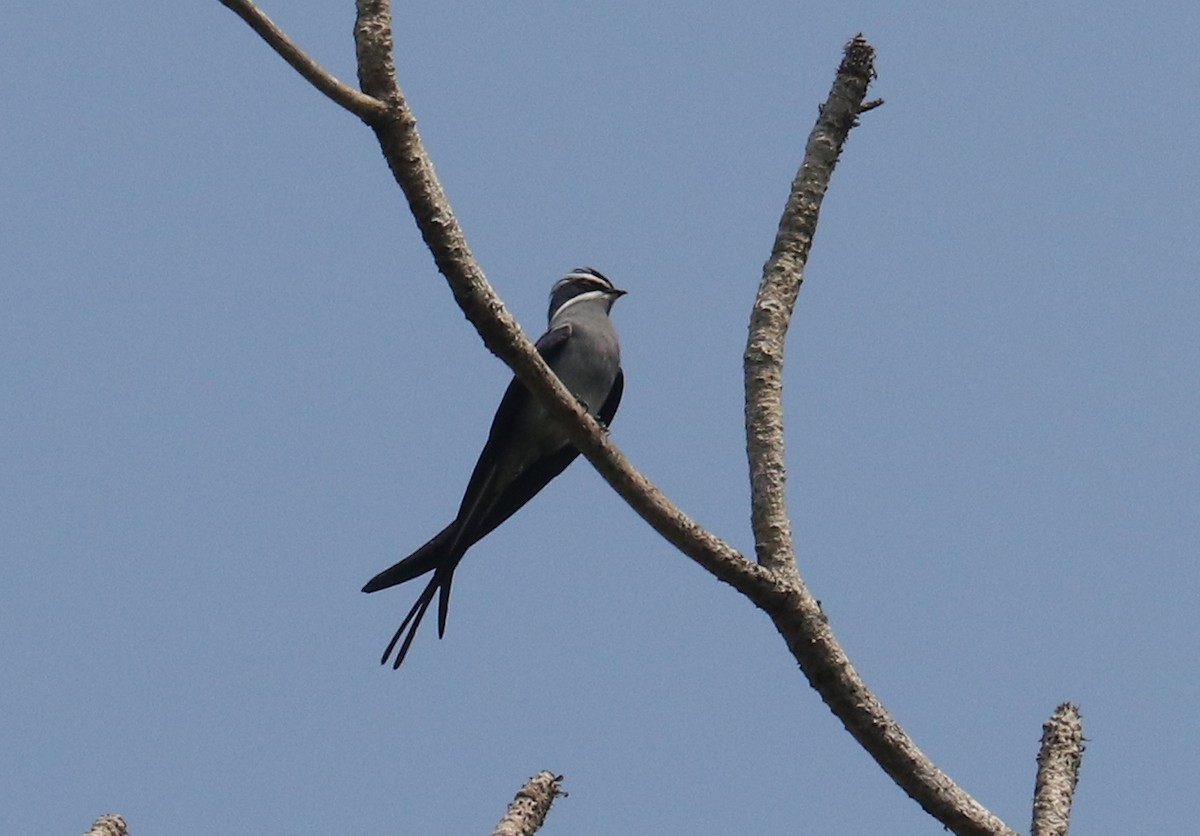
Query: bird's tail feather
{"points": [[440, 555], [414, 616], [444, 601], [425, 559], [442, 577]]}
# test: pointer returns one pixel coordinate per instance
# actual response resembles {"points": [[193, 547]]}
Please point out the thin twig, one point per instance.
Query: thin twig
{"points": [[364, 107], [1059, 759], [527, 812]]}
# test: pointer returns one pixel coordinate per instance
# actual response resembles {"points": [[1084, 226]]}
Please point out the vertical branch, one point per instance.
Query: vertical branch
{"points": [[373, 48], [782, 275], [1059, 759], [796, 613]]}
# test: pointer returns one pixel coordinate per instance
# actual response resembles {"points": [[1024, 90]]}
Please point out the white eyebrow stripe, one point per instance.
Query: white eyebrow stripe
{"points": [[589, 295], [581, 278]]}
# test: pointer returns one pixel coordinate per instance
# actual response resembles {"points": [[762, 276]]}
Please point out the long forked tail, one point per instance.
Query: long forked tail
{"points": [[440, 555], [442, 576]]}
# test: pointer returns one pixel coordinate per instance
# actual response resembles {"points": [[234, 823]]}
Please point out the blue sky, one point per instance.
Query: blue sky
{"points": [[234, 388]]}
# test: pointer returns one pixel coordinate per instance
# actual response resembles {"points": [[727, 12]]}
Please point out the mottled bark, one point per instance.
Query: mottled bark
{"points": [[527, 812], [1058, 760]]}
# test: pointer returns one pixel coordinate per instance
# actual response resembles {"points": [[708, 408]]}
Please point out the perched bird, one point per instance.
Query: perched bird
{"points": [[524, 449]]}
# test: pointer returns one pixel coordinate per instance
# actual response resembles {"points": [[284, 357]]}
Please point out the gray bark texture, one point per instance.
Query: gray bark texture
{"points": [[527, 812]]}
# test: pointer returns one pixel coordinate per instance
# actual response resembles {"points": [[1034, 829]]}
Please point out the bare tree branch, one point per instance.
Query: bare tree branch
{"points": [[527, 812], [1059, 760], [795, 612], [364, 107], [373, 47], [110, 824], [772, 313], [798, 618], [773, 584]]}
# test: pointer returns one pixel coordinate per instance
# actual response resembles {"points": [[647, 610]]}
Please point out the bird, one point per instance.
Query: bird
{"points": [[525, 448]]}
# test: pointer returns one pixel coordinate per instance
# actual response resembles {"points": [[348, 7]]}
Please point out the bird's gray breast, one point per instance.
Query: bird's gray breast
{"points": [[587, 366], [589, 361]]}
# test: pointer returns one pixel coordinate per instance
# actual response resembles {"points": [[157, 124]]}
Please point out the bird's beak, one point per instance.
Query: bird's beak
{"points": [[617, 294]]}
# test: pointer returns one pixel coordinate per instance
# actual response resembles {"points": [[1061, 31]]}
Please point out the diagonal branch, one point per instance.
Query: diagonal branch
{"points": [[414, 172], [797, 616], [364, 107]]}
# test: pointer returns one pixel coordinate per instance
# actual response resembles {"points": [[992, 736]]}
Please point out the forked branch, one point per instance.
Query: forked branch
{"points": [[773, 583]]}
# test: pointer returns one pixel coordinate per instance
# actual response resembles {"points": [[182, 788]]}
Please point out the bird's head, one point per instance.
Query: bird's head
{"points": [[582, 285]]}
